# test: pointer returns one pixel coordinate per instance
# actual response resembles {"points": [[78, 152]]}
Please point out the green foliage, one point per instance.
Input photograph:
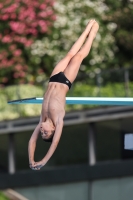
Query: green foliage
{"points": [[17, 92], [3, 197], [120, 13]]}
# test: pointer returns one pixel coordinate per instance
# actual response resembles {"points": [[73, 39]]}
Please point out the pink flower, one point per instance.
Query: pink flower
{"points": [[26, 1], [42, 14], [18, 52], [47, 1], [53, 17], [23, 40], [49, 12], [22, 74], [43, 6], [4, 61], [51, 3], [16, 38], [28, 43], [25, 67], [10, 9], [34, 24], [1, 5], [13, 16], [30, 15], [32, 31], [12, 47], [35, 3], [18, 27], [4, 17], [5, 53], [44, 29], [42, 23], [6, 39], [18, 67], [21, 12], [14, 25], [7, 2], [11, 62]]}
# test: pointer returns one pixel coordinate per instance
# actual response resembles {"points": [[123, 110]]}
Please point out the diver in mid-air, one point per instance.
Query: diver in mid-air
{"points": [[53, 107]]}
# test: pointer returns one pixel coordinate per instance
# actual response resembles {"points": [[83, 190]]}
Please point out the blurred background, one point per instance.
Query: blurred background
{"points": [[90, 162]]}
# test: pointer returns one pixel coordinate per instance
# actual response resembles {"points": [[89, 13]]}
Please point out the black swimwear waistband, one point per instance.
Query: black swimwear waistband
{"points": [[60, 78]]}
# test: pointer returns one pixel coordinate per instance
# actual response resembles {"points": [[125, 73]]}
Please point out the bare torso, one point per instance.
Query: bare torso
{"points": [[54, 102]]}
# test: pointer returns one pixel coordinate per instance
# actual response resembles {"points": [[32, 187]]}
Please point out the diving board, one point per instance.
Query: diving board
{"points": [[80, 100]]}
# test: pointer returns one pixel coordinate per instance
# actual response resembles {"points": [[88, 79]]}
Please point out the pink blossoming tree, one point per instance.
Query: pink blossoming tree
{"points": [[22, 22]]}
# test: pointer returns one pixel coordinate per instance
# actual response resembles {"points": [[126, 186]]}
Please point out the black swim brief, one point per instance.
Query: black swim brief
{"points": [[60, 78]]}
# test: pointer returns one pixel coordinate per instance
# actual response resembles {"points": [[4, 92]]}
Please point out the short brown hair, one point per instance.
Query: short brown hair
{"points": [[51, 138]]}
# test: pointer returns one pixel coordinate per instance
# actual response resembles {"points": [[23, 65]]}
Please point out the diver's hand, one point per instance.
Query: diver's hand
{"points": [[37, 165], [31, 164]]}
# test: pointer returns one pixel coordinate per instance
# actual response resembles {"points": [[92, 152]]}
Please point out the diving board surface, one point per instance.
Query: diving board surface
{"points": [[80, 100]]}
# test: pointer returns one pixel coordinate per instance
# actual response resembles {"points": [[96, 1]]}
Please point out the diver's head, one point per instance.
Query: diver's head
{"points": [[47, 131]]}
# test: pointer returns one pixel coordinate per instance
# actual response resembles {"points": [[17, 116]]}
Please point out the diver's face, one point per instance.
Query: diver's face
{"points": [[46, 130]]}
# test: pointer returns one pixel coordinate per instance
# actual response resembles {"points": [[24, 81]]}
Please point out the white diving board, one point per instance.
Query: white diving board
{"points": [[80, 100]]}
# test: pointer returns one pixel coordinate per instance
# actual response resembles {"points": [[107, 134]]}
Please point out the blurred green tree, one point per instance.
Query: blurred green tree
{"points": [[3, 197], [120, 14]]}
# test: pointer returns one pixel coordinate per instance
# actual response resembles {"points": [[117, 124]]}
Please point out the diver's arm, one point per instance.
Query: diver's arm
{"points": [[32, 144], [56, 138]]}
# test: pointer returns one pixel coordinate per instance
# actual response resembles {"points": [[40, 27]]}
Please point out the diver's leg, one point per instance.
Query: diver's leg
{"points": [[74, 65], [61, 66]]}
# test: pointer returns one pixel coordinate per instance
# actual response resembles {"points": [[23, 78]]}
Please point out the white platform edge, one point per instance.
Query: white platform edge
{"points": [[81, 100]]}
